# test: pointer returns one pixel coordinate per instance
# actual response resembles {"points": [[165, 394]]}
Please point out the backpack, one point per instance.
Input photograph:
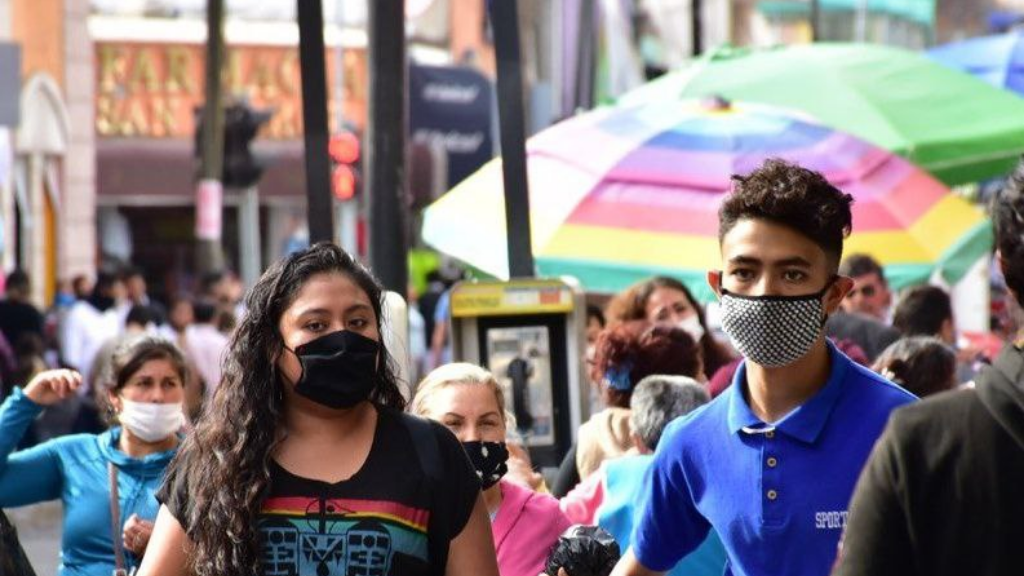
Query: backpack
{"points": [[428, 452], [13, 561]]}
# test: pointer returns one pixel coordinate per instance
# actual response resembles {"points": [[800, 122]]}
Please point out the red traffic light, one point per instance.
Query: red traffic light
{"points": [[343, 182], [344, 148]]}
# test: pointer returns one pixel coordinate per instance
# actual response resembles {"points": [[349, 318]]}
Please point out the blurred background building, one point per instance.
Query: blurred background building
{"points": [[97, 128]]}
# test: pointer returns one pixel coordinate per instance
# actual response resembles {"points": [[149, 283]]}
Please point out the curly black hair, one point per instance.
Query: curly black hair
{"points": [[795, 197], [1008, 221], [225, 462]]}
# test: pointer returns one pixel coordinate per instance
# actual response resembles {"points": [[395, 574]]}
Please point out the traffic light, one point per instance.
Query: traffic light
{"points": [[345, 155], [241, 169]]}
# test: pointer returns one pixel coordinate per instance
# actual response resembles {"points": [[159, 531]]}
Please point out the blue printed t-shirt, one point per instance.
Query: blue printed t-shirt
{"points": [[776, 494], [378, 522]]}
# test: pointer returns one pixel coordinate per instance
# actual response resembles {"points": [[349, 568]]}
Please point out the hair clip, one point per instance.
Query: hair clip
{"points": [[617, 377]]}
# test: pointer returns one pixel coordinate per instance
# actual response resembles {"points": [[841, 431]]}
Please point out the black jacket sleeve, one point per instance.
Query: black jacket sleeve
{"points": [[877, 541]]}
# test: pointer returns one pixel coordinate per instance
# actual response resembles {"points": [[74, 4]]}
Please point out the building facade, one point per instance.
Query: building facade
{"points": [[47, 195]]}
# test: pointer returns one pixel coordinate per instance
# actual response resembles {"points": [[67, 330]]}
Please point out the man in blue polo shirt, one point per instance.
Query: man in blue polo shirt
{"points": [[772, 462]]}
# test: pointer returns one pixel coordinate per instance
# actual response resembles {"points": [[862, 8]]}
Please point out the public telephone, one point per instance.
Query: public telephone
{"points": [[529, 334]]}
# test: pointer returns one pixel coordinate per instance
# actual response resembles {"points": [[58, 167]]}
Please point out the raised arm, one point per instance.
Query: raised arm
{"points": [[33, 475]]}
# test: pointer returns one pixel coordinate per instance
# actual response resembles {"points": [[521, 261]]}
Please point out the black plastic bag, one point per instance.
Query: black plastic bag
{"points": [[584, 551]]}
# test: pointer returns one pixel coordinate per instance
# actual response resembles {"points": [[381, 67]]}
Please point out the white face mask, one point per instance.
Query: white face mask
{"points": [[691, 326], [151, 422]]}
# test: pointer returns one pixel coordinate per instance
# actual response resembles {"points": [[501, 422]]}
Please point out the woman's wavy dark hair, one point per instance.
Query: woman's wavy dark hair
{"points": [[631, 305], [225, 462]]}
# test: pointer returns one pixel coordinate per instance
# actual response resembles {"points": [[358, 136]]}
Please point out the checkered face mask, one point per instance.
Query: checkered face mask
{"points": [[773, 331]]}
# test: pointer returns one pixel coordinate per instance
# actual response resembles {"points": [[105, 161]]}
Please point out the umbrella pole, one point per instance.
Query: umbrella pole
{"points": [[505, 21]]}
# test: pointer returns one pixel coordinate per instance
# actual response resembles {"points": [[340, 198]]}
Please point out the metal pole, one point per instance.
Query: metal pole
{"points": [[505, 22], [319, 211], [346, 214], [586, 57], [209, 191], [860, 30], [696, 22], [815, 21], [385, 144], [251, 261]]}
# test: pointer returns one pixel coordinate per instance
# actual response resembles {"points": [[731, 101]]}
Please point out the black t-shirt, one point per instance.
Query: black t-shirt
{"points": [[382, 521]]}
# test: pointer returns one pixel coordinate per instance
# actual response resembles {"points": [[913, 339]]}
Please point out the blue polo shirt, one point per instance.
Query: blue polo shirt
{"points": [[776, 494]]}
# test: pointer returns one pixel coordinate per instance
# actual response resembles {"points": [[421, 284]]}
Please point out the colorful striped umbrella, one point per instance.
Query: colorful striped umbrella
{"points": [[947, 122], [619, 194]]}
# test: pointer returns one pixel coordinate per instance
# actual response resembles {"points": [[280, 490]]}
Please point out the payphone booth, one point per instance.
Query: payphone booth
{"points": [[530, 334]]}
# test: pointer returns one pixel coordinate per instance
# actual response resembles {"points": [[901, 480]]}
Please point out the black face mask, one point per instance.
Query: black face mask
{"points": [[339, 370], [489, 460]]}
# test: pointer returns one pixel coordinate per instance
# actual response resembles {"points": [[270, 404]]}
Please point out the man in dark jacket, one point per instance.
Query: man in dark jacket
{"points": [[941, 493]]}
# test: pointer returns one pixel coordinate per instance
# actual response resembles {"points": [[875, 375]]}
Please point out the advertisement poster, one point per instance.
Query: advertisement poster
{"points": [[452, 106], [520, 358]]}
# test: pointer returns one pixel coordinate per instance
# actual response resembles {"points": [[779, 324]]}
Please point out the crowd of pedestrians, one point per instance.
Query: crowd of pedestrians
{"points": [[779, 432]]}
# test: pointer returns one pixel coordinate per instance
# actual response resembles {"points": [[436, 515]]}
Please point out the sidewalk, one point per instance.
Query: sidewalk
{"points": [[39, 529]]}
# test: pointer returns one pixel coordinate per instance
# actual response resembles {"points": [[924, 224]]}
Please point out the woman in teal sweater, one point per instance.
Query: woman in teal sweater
{"points": [[145, 393]]}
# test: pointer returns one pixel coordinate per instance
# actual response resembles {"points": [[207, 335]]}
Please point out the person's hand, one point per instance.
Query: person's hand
{"points": [[53, 386], [136, 534]]}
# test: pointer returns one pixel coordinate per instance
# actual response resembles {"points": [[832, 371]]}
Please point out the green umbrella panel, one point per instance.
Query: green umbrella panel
{"points": [[953, 125]]}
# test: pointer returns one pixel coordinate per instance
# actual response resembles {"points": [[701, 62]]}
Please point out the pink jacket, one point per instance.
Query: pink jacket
{"points": [[525, 529]]}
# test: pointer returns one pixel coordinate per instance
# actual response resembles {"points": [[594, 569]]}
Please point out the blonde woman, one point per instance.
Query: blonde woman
{"points": [[525, 524]]}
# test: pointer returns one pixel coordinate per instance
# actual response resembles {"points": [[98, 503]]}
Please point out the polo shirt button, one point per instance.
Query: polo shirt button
{"points": [[772, 494], [769, 434], [772, 462]]}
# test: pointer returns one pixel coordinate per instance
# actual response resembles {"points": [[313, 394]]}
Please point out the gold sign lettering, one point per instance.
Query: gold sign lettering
{"points": [[143, 74], [112, 68], [150, 90], [178, 79]]}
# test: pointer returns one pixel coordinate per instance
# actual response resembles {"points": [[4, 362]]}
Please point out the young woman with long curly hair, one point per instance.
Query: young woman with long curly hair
{"points": [[305, 464]]}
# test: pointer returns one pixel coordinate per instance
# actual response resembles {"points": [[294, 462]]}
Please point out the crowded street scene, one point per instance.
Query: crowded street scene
{"points": [[511, 287]]}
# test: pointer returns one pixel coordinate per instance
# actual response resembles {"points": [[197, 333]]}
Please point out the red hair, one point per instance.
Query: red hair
{"points": [[644, 349]]}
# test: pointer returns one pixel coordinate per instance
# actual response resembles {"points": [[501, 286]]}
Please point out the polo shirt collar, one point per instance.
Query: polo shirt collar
{"points": [[804, 423]]}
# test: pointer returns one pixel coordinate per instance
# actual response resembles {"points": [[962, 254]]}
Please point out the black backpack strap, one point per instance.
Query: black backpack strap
{"points": [[428, 452]]}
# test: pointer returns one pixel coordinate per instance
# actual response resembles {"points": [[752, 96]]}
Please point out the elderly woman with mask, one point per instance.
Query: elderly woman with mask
{"points": [[470, 402], [106, 482]]}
